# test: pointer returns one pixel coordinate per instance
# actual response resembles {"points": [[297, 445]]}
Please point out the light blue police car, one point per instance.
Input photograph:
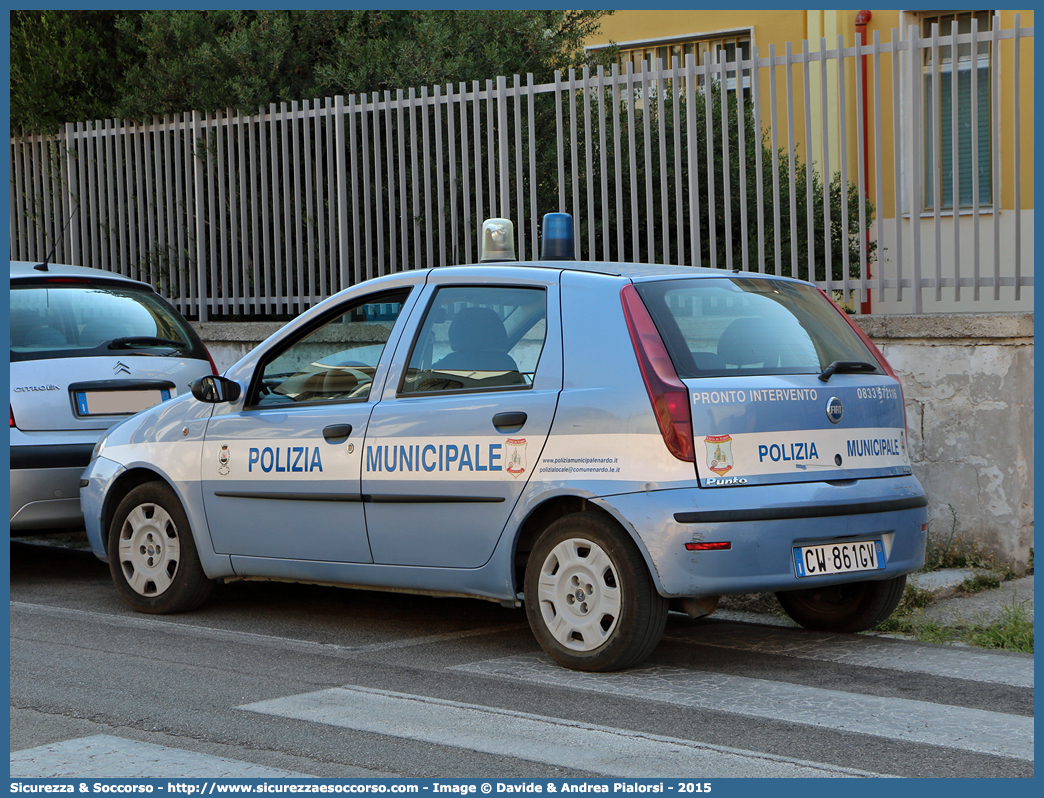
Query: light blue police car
{"points": [[601, 441]]}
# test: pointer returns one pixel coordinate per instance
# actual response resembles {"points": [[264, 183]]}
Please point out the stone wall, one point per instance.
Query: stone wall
{"points": [[968, 383]]}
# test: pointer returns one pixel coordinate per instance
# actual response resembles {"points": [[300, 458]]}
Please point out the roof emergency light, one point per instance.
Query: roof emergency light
{"points": [[498, 241], [557, 241]]}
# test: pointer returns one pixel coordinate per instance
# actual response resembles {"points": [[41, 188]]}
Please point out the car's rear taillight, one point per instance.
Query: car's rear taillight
{"points": [[12, 415], [669, 397]]}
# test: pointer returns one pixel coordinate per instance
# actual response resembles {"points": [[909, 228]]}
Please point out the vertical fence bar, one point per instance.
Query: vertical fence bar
{"points": [[407, 260], [755, 83], [491, 164], [354, 157], [465, 170], [476, 128], [426, 145], [343, 250], [650, 211], [806, 74], [440, 181], [726, 176], [602, 168], [692, 155], [561, 150], [414, 177], [742, 188], [824, 91], [381, 266], [617, 159], [679, 184], [162, 179], [308, 154], [211, 267], [91, 139], [111, 210], [937, 157], [454, 188], [861, 156], [502, 145], [520, 193], [588, 162], [974, 88], [220, 122], [665, 220], [843, 170], [21, 242], [777, 211], [170, 140], [897, 149], [534, 211], [712, 225], [198, 287], [917, 170], [69, 173], [574, 187], [365, 107], [236, 136], [878, 146], [632, 163], [389, 150]]}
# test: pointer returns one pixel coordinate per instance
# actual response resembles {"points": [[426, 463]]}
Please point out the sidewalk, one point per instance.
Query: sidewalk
{"points": [[951, 608]]}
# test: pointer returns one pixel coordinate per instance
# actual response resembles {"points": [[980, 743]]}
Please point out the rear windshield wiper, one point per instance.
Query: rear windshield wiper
{"points": [[846, 367], [144, 340]]}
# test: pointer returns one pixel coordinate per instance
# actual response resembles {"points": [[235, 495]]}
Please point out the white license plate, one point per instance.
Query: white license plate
{"points": [[110, 403], [839, 558]]}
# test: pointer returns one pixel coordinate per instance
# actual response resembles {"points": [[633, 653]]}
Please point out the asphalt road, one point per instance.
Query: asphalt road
{"points": [[275, 679]]}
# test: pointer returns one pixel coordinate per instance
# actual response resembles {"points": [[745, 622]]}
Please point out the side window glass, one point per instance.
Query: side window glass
{"points": [[335, 362], [478, 337]]}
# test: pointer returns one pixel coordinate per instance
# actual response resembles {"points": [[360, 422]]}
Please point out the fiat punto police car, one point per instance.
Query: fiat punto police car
{"points": [[598, 441]]}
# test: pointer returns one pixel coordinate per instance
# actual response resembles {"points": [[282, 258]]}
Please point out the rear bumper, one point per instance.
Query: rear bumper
{"points": [[763, 524], [45, 485]]}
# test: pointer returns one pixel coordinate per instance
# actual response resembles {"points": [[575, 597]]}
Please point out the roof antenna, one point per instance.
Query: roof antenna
{"points": [[42, 267]]}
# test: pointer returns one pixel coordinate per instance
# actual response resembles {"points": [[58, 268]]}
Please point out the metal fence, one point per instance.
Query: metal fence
{"points": [[728, 165]]}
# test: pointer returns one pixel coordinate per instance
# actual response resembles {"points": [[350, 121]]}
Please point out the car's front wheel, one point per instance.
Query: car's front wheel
{"points": [[851, 607], [152, 557], [591, 602]]}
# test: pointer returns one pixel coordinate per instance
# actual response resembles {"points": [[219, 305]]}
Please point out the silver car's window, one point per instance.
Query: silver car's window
{"points": [[334, 362], [735, 326], [83, 320], [478, 337]]}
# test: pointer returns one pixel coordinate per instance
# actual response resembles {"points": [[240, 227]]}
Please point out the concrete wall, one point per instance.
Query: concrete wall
{"points": [[968, 383]]}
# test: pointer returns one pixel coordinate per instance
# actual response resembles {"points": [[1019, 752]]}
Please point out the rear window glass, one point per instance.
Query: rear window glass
{"points": [[718, 327], [92, 320]]}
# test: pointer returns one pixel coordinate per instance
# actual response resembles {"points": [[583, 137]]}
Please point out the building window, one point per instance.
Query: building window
{"points": [[708, 50], [969, 113]]}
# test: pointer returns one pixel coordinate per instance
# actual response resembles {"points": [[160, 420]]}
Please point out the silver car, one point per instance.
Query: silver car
{"points": [[88, 349]]}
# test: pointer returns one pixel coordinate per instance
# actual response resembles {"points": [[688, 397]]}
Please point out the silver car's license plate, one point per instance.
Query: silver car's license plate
{"points": [[109, 403], [839, 558]]}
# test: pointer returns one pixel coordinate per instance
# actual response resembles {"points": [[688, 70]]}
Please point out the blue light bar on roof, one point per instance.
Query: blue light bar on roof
{"points": [[557, 241]]}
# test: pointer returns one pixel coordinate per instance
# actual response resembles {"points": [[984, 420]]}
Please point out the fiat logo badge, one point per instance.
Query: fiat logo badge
{"points": [[834, 410]]}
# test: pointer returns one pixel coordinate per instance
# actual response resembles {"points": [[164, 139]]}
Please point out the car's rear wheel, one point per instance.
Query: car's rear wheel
{"points": [[152, 557], [591, 602], [851, 607]]}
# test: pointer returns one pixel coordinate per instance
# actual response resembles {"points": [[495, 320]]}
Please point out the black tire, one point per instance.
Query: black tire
{"points": [[851, 607], [152, 556], [591, 602]]}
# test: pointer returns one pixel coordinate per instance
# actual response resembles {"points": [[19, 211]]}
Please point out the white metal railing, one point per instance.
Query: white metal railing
{"points": [[270, 213]]}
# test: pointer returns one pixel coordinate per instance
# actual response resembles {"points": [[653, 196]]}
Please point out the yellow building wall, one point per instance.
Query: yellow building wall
{"points": [[777, 28]]}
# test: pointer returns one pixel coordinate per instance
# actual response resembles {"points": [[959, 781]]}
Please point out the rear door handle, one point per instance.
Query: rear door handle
{"points": [[516, 419], [337, 433]]}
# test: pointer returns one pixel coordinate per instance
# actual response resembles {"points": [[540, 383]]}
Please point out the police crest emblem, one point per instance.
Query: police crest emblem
{"points": [[223, 457], [719, 453], [516, 456]]}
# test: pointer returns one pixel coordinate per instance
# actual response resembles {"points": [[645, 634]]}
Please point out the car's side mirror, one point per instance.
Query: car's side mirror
{"points": [[214, 390]]}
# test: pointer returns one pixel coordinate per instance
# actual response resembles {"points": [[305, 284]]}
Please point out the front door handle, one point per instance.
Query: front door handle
{"points": [[337, 433], [516, 419]]}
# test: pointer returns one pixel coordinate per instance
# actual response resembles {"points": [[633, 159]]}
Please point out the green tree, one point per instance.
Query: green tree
{"points": [[65, 67]]}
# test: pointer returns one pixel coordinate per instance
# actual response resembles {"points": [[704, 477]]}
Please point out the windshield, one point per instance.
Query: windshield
{"points": [[717, 327], [49, 321]]}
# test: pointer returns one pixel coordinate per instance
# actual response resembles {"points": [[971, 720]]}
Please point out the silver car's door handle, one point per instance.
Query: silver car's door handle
{"points": [[336, 433], [515, 420]]}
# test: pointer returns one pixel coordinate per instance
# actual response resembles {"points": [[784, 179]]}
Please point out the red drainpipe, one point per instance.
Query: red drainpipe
{"points": [[861, 20]]}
